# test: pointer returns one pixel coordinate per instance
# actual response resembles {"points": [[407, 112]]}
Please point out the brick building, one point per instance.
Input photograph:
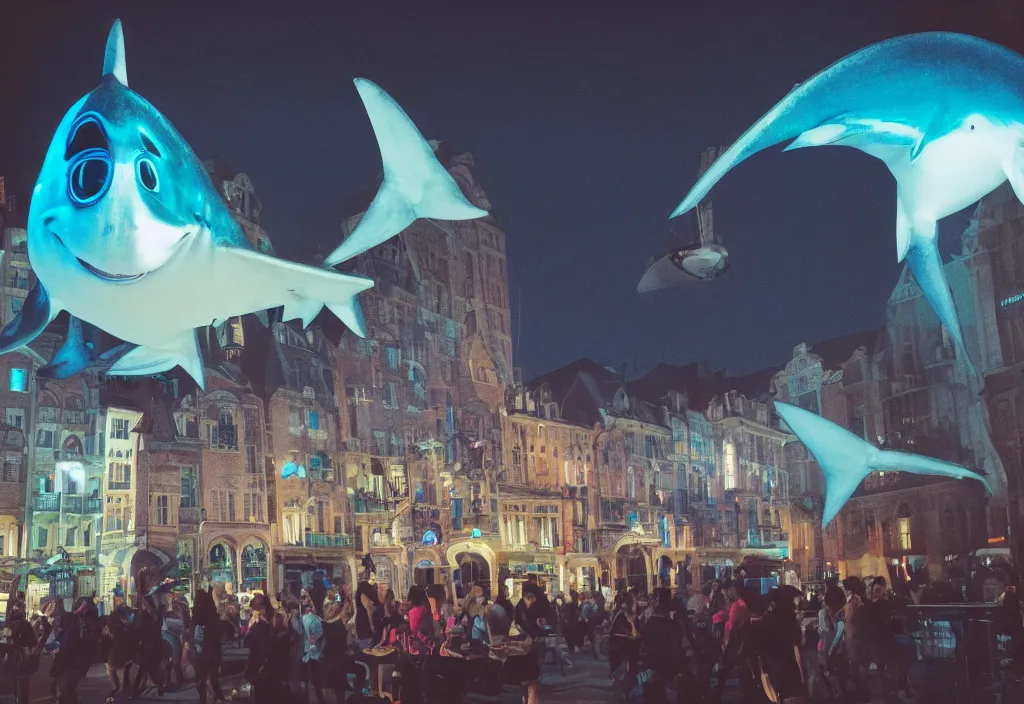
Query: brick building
{"points": [[425, 388]]}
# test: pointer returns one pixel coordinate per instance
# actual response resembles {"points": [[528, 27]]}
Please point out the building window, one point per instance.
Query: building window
{"points": [[44, 438], [119, 429], [15, 417], [729, 453], [114, 521], [119, 476], [313, 420], [251, 460], [160, 506], [224, 435], [394, 357], [390, 398], [188, 488], [18, 380], [904, 525], [70, 537]]}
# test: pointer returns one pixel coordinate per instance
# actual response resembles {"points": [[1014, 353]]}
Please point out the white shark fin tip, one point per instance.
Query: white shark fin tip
{"points": [[114, 63]]}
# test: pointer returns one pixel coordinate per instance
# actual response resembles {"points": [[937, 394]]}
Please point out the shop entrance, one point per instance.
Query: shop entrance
{"points": [[631, 564], [425, 573], [474, 570]]}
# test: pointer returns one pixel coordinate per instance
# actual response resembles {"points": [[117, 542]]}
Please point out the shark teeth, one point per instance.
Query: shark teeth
{"points": [[121, 278]]}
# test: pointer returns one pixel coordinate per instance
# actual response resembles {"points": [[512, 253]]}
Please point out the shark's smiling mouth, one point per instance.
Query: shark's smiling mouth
{"points": [[99, 273]]}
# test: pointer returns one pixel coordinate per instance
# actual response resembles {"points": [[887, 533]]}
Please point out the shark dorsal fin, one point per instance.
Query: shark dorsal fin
{"points": [[114, 63]]}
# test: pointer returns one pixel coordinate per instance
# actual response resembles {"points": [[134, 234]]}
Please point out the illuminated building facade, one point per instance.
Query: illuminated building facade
{"points": [[308, 507], [424, 391]]}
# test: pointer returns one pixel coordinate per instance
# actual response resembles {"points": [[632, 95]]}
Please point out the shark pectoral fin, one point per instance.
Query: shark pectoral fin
{"points": [[891, 460], [74, 355], [415, 185], [182, 352], [302, 290], [902, 229], [823, 135], [845, 459], [351, 314], [303, 309], [867, 134], [926, 264], [35, 314]]}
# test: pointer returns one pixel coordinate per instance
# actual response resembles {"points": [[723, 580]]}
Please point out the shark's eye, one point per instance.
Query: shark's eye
{"points": [[147, 174], [87, 135], [89, 176]]}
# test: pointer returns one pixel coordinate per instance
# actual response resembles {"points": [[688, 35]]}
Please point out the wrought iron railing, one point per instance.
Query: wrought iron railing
{"points": [[328, 540]]}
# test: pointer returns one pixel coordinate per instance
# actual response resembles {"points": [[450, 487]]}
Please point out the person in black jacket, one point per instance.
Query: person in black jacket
{"points": [[264, 669], [66, 651], [206, 641], [662, 637]]}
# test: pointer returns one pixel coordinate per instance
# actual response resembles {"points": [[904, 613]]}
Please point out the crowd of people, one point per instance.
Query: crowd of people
{"points": [[360, 644]]}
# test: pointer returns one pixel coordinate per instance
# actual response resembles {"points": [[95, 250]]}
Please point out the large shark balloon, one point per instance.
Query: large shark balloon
{"points": [[127, 233], [945, 112], [846, 460]]}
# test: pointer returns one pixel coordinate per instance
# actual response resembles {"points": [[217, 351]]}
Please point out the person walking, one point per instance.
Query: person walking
{"points": [[206, 642]]}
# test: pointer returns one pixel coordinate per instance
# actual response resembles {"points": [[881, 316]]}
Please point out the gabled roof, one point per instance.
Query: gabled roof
{"points": [[837, 350], [664, 378], [604, 382]]}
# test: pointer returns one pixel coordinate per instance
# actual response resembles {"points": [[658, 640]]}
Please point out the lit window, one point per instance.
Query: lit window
{"points": [[313, 420], [729, 452], [905, 534], [18, 380]]}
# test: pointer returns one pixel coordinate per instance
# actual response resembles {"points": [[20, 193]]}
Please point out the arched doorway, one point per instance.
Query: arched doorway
{"points": [[254, 565], [386, 573], [631, 567], [474, 570], [222, 565]]}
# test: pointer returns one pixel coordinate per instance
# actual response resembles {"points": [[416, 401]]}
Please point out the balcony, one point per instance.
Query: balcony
{"points": [[46, 502], [321, 475], [316, 434], [369, 504], [119, 486], [353, 445], [328, 540], [189, 516]]}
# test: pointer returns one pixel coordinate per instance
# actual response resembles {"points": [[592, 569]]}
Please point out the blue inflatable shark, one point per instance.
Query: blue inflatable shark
{"points": [[945, 112], [127, 233], [846, 460]]}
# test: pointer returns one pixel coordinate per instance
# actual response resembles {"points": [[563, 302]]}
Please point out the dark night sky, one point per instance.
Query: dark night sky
{"points": [[587, 125]]}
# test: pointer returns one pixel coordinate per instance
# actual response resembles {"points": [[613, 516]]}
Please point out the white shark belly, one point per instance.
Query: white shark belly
{"points": [[950, 174]]}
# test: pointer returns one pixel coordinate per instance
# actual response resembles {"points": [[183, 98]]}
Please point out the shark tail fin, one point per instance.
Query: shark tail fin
{"points": [[415, 185], [844, 458]]}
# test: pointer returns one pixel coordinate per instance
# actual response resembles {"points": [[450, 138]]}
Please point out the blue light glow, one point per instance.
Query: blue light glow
{"points": [[290, 469], [430, 538], [872, 101], [1012, 300], [846, 460], [477, 533], [18, 380]]}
